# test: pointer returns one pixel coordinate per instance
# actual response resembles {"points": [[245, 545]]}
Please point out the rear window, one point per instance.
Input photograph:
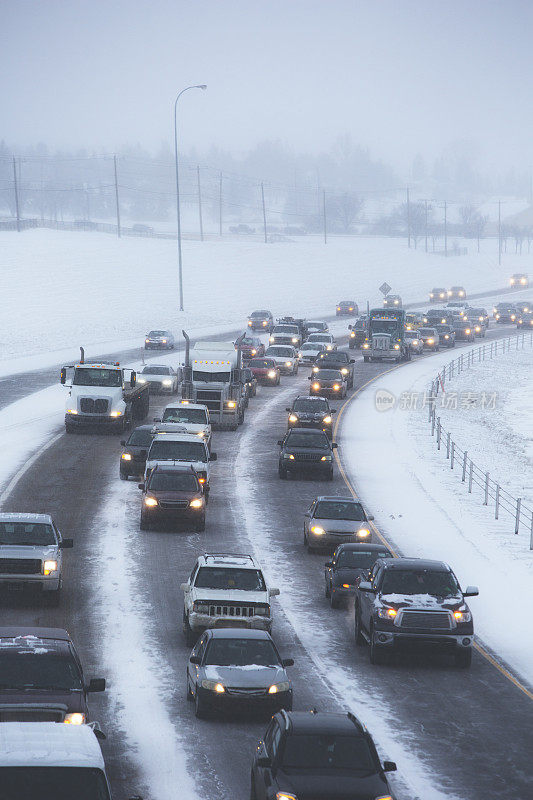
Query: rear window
{"points": [[156, 371], [321, 751]]}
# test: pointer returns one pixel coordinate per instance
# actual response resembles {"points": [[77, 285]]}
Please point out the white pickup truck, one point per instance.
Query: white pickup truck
{"points": [[188, 417], [181, 448]]}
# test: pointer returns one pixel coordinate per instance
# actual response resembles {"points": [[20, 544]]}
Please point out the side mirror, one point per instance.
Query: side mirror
{"points": [[288, 409], [366, 586], [213, 457], [123, 442], [66, 544], [63, 375], [96, 685], [328, 564], [333, 411], [389, 766], [309, 378], [157, 419], [350, 327], [370, 517], [287, 662], [184, 587], [141, 486], [195, 660], [264, 761], [471, 591], [334, 445], [274, 592], [133, 379]]}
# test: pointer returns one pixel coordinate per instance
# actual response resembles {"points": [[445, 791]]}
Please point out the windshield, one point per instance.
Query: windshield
{"points": [[86, 376], [156, 371], [334, 358], [211, 377], [31, 669], [247, 580], [328, 751], [26, 533], [438, 584], [311, 406], [162, 450], [444, 328], [360, 559], [287, 352], [172, 482], [157, 333], [426, 332], [241, 653], [286, 329], [360, 324], [320, 337], [262, 314], [339, 509], [59, 783], [384, 325], [296, 439], [328, 375], [196, 416], [140, 438], [261, 363], [314, 346]]}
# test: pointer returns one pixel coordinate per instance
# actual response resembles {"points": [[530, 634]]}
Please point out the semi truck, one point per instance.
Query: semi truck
{"points": [[385, 338], [212, 375], [103, 395]]}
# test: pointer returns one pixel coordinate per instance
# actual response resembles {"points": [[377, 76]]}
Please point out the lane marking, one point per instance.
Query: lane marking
{"points": [[481, 650]]}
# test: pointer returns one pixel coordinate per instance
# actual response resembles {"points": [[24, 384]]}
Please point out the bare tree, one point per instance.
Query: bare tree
{"points": [[344, 209]]}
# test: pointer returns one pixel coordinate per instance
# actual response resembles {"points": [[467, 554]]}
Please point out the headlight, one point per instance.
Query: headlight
{"points": [[147, 341], [446, 336], [231, 404], [196, 503], [116, 414], [336, 387], [250, 322], [352, 335], [344, 371], [167, 382], [288, 455], [363, 533], [396, 346], [271, 339], [279, 687], [480, 319], [327, 420], [387, 613], [467, 330], [293, 418], [497, 316], [75, 718], [415, 342], [294, 340], [317, 530], [202, 433], [126, 456], [71, 411], [329, 347], [338, 308], [430, 341], [396, 302], [315, 369], [327, 458], [478, 328], [49, 566], [462, 616], [461, 294], [164, 341], [150, 502], [511, 281], [513, 317], [271, 373], [213, 686], [254, 352], [285, 796], [431, 294], [523, 280], [288, 363], [316, 386], [366, 346], [264, 322]]}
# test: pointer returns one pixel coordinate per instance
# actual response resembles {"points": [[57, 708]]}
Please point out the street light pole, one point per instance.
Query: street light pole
{"points": [[178, 215]]}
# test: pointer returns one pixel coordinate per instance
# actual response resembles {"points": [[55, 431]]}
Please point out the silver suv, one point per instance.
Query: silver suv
{"points": [[226, 591], [31, 553]]}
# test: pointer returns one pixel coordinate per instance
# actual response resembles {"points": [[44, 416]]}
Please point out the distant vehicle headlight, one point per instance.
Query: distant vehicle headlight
{"points": [[167, 382], [126, 456], [271, 373], [288, 363], [294, 340], [462, 616], [430, 341], [396, 346], [468, 331], [116, 414], [387, 613], [344, 371], [150, 502], [327, 458], [523, 280], [336, 387], [254, 352], [75, 718]]}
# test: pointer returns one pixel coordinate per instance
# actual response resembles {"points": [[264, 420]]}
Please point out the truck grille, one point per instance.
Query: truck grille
{"points": [[307, 456], [245, 692], [381, 343], [20, 566], [88, 405], [30, 715], [211, 399], [173, 504], [426, 619], [231, 611]]}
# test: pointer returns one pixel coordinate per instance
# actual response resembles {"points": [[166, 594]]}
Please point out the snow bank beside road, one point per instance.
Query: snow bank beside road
{"points": [[103, 289], [425, 511]]}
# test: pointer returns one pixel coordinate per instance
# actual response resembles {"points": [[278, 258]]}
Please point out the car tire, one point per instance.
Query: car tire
{"points": [[377, 656], [358, 633], [200, 526], [190, 696], [201, 709], [123, 477], [69, 428], [463, 658]]}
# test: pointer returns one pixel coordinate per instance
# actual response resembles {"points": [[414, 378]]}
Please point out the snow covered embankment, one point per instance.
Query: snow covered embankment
{"points": [[425, 510]]}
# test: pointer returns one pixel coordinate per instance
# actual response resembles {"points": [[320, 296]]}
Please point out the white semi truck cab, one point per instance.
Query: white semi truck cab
{"points": [[103, 394], [213, 376]]}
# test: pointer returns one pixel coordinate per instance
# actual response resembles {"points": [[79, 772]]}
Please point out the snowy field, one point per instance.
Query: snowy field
{"points": [[64, 289], [425, 510]]}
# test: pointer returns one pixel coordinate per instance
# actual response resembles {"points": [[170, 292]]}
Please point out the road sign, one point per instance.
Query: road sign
{"points": [[384, 288]]}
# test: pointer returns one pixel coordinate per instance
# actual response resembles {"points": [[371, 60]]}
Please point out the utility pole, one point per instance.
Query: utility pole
{"points": [[220, 205], [17, 208], [200, 204], [445, 228], [499, 233], [264, 211], [426, 208], [408, 220], [116, 197], [324, 213]]}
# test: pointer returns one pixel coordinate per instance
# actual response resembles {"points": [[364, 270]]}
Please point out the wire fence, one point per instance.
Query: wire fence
{"points": [[472, 475]]}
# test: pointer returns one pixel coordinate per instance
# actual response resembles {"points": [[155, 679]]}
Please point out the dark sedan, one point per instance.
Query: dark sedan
{"points": [[261, 321], [328, 383], [357, 333], [172, 494], [350, 564], [133, 457], [430, 338], [464, 331], [347, 308], [306, 451], [525, 321], [265, 370], [311, 412], [505, 313], [446, 335]]}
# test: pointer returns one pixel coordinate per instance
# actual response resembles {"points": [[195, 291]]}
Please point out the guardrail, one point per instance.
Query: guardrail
{"points": [[471, 474]]}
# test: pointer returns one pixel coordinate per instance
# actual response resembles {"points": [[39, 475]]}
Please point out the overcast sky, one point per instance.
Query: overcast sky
{"points": [[400, 75]]}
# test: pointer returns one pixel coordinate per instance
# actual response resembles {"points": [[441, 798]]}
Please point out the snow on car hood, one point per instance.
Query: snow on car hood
{"points": [[424, 601], [249, 676], [225, 596], [344, 525]]}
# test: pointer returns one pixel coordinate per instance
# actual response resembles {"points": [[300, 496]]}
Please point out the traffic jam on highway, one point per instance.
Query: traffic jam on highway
{"points": [[174, 422]]}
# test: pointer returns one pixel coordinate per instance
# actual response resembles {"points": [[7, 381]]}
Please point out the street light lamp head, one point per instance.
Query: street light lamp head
{"points": [[202, 86]]}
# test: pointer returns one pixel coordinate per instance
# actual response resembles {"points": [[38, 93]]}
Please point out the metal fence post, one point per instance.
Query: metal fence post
{"points": [[464, 466], [452, 455], [470, 477], [531, 534], [497, 506], [517, 517], [487, 479], [433, 423], [448, 440], [439, 430]]}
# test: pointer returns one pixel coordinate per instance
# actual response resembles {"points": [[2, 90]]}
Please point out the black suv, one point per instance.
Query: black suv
{"points": [[505, 312], [311, 412], [133, 457], [408, 602], [464, 331], [357, 333], [336, 359], [306, 451], [41, 677], [329, 381], [173, 493], [318, 755], [350, 564], [446, 335]]}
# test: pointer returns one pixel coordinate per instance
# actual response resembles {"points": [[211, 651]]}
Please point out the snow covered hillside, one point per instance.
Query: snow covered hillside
{"points": [[89, 288]]}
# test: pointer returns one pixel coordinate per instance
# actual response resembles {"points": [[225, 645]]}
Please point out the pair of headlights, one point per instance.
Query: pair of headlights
{"points": [[219, 688]]}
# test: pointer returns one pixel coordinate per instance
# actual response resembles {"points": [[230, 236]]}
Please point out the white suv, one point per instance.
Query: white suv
{"points": [[172, 448], [226, 591], [188, 417]]}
